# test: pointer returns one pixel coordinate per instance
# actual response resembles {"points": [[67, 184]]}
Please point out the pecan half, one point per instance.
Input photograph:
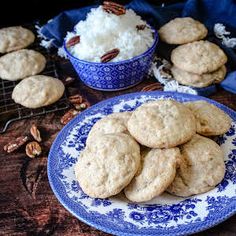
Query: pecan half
{"points": [[69, 115], [35, 133], [76, 99], [15, 144], [78, 102], [114, 8], [73, 41], [68, 80], [110, 55], [140, 27], [33, 149]]}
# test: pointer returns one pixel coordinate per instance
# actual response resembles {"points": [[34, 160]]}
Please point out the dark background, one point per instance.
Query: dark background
{"points": [[20, 12]]}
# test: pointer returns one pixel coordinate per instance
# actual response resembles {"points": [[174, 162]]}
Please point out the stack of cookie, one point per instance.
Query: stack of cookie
{"points": [[195, 63], [158, 147], [19, 63]]}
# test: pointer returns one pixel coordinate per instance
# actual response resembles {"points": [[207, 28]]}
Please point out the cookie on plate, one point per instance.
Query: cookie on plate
{"points": [[198, 57], [196, 80], [201, 167], [106, 167], [156, 173], [38, 91], [15, 38], [210, 119], [182, 30], [20, 64], [113, 123], [162, 124]]}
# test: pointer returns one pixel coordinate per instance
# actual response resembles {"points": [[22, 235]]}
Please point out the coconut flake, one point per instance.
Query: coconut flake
{"points": [[220, 32], [102, 32], [174, 86], [61, 52]]}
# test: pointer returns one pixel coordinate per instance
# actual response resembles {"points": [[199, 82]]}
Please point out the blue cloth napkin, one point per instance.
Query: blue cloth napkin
{"points": [[208, 12]]}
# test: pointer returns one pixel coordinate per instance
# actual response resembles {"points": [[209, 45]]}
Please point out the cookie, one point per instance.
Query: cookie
{"points": [[196, 80], [201, 168], [162, 124], [156, 173], [198, 57], [182, 30], [114, 123], [106, 167], [21, 64], [210, 119], [38, 91], [15, 38]]}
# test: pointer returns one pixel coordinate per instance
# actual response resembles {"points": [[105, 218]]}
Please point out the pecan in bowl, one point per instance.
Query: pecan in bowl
{"points": [[114, 8]]}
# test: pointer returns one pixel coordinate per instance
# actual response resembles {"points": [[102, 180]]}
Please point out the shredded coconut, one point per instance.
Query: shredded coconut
{"points": [[102, 32], [220, 32], [61, 52], [46, 43], [174, 86]]}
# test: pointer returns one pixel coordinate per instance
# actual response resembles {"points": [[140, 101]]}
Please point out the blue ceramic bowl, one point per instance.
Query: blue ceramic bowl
{"points": [[113, 76]]}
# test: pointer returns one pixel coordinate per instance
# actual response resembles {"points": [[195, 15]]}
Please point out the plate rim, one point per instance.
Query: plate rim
{"points": [[179, 230]]}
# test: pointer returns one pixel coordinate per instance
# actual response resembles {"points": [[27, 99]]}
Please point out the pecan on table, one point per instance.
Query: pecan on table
{"points": [[75, 99], [73, 41], [33, 149], [110, 55], [16, 144], [114, 8], [78, 102], [69, 115], [35, 133]]}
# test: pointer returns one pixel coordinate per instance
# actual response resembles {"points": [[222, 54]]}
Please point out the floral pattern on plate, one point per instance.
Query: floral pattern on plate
{"points": [[163, 215]]}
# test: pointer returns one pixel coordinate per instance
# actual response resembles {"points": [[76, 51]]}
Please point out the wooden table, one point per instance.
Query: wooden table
{"points": [[27, 203]]}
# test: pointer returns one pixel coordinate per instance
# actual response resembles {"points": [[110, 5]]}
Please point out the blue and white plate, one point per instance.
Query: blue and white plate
{"points": [[165, 215]]}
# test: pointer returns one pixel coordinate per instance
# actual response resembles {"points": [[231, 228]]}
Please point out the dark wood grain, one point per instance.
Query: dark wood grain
{"points": [[27, 203]]}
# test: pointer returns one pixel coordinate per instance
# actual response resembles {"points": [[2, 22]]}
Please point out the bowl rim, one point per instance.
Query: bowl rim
{"points": [[156, 39]]}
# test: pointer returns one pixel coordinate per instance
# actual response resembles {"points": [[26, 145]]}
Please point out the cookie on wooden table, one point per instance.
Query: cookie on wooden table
{"points": [[38, 91], [201, 167], [21, 64], [113, 123], [198, 57], [107, 166], [182, 30], [210, 119], [162, 124], [156, 173], [196, 80], [15, 38]]}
